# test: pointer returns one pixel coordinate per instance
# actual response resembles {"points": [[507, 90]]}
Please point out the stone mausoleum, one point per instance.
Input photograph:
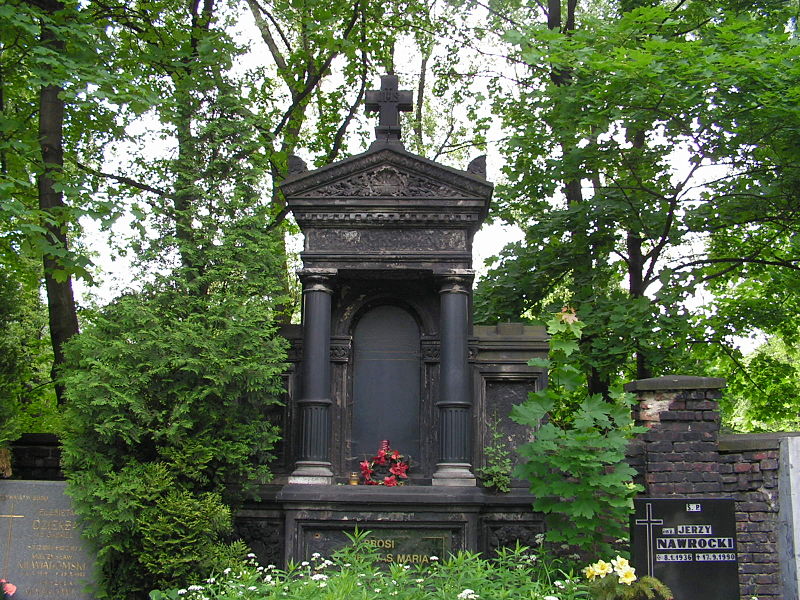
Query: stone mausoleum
{"points": [[387, 351]]}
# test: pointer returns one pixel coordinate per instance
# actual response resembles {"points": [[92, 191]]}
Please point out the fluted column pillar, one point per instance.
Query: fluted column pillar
{"points": [[314, 465], [455, 395]]}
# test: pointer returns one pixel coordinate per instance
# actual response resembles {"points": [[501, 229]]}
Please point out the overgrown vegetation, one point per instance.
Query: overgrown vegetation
{"points": [[168, 394], [496, 473], [576, 463], [355, 571]]}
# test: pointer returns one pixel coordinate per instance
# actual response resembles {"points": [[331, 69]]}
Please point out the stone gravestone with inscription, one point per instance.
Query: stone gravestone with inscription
{"points": [[41, 550], [689, 544]]}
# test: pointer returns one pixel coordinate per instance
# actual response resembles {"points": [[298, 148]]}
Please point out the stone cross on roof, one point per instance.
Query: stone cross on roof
{"points": [[388, 102]]}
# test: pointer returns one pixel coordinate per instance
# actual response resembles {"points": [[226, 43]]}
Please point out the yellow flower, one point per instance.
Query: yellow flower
{"points": [[602, 568], [620, 564], [590, 573], [627, 575]]}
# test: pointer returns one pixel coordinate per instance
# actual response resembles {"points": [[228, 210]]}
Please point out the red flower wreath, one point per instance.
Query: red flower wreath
{"points": [[387, 467]]}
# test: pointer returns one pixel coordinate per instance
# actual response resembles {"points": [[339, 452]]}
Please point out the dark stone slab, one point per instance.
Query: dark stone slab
{"points": [[689, 544], [411, 544], [41, 551], [675, 382]]}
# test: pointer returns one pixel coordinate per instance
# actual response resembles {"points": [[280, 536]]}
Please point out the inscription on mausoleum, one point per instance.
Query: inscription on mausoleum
{"points": [[41, 551], [416, 546]]}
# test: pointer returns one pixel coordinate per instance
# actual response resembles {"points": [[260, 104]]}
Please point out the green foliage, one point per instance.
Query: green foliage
{"points": [[27, 401], [168, 392], [496, 474], [576, 464], [649, 155], [353, 572], [644, 588], [762, 393]]}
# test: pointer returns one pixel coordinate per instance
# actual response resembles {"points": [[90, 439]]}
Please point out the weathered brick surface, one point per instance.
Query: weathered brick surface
{"points": [[679, 456]]}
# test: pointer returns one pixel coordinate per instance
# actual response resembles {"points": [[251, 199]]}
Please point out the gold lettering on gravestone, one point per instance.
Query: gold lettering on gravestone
{"points": [[417, 557]]}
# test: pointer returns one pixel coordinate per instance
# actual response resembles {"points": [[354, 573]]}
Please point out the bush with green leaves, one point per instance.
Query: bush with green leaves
{"points": [[355, 572], [576, 464], [496, 474], [168, 394]]}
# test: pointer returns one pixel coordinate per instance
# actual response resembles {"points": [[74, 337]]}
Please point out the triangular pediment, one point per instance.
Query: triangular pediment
{"points": [[387, 173]]}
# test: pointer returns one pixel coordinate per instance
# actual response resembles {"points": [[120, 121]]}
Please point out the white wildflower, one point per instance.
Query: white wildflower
{"points": [[560, 584], [550, 598], [434, 558], [319, 577], [181, 592], [305, 563], [226, 571], [468, 594], [251, 555], [195, 588], [316, 555]]}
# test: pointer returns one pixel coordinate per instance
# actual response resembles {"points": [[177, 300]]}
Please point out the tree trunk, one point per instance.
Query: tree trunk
{"points": [[60, 300]]}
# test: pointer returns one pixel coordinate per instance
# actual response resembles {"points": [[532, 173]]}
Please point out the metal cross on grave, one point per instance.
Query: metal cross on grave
{"points": [[388, 102]]}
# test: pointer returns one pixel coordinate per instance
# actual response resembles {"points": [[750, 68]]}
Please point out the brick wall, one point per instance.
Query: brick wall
{"points": [[683, 454], [36, 456]]}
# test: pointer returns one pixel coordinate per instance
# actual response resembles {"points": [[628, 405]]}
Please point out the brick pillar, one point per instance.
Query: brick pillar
{"points": [[679, 455]]}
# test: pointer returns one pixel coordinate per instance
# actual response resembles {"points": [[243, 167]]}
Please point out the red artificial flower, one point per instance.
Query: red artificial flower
{"points": [[396, 455], [399, 469], [390, 481], [380, 458], [366, 471], [8, 588]]}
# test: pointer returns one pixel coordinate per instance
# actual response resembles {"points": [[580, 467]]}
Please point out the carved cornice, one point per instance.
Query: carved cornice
{"points": [[382, 218]]}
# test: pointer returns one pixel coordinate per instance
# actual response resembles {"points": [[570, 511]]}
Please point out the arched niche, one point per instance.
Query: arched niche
{"points": [[386, 382]]}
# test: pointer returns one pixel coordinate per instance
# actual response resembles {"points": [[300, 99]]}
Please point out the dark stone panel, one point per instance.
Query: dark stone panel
{"points": [[411, 544], [385, 239], [386, 383], [265, 537]]}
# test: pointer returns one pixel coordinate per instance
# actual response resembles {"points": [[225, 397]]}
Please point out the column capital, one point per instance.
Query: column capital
{"points": [[317, 280], [457, 281]]}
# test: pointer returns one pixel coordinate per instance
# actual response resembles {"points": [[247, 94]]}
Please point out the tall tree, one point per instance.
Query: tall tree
{"points": [[47, 61], [609, 102]]}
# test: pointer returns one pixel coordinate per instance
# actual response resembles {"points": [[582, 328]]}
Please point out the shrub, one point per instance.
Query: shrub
{"points": [[576, 468], [167, 395]]}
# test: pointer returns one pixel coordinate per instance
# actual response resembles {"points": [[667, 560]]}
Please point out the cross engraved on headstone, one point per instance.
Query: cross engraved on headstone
{"points": [[388, 102], [649, 522]]}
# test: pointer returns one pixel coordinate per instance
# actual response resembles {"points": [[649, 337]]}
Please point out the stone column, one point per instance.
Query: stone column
{"points": [[314, 404], [455, 394]]}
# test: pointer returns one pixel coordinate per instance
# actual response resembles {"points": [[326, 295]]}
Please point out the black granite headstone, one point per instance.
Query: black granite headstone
{"points": [[41, 550], [689, 544]]}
